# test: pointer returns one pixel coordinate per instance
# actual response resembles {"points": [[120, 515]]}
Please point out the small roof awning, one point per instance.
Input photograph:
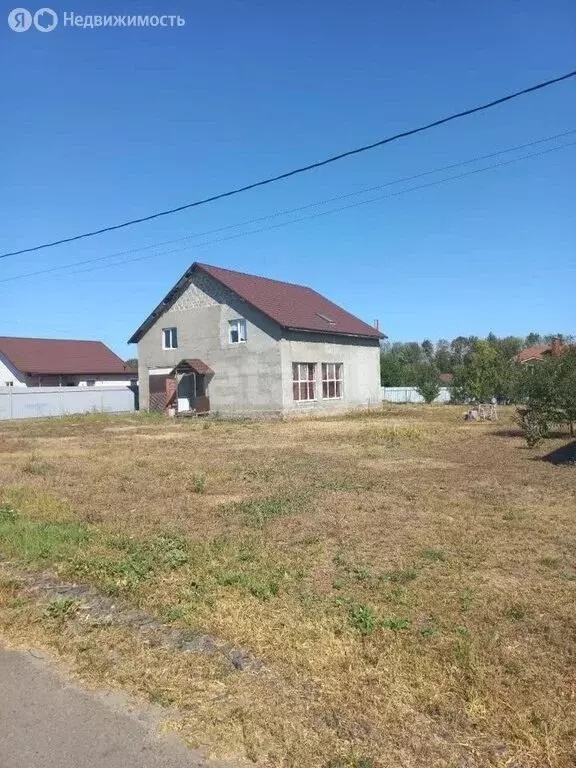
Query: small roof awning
{"points": [[191, 366]]}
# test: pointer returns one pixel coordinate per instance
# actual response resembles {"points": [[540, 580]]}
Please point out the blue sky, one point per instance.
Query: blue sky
{"points": [[103, 125]]}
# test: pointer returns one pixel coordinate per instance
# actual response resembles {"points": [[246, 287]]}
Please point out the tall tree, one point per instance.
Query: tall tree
{"points": [[428, 350], [482, 377]]}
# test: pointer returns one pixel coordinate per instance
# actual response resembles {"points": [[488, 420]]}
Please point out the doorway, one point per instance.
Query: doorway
{"points": [[186, 392]]}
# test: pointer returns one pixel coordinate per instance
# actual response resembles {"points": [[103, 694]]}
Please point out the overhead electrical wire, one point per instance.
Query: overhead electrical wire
{"points": [[299, 208], [294, 210], [295, 171]]}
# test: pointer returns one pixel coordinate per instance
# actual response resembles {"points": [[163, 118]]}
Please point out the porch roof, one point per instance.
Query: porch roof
{"points": [[191, 366]]}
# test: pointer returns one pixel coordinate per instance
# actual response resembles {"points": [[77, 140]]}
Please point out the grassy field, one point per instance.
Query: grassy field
{"points": [[407, 580]]}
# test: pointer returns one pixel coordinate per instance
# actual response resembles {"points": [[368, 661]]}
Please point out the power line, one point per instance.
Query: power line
{"points": [[285, 212], [306, 218], [295, 171]]}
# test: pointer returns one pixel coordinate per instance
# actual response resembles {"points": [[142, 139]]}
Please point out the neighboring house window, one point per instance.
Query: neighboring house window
{"points": [[90, 382], [304, 381], [237, 331], [331, 380], [169, 338], [8, 383]]}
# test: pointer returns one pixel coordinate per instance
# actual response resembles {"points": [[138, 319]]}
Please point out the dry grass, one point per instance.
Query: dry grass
{"points": [[408, 579]]}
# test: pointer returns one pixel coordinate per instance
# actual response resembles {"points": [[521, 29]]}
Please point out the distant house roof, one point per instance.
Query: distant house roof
{"points": [[533, 353], [447, 378], [67, 356], [293, 307]]}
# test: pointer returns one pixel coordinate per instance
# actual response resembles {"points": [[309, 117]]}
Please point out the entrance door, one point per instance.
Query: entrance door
{"points": [[185, 392], [201, 401]]}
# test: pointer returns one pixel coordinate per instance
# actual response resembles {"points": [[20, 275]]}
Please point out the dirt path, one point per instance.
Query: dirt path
{"points": [[48, 722]]}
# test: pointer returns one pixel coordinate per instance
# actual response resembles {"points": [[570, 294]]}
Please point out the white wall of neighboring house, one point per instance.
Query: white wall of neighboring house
{"points": [[10, 376], [108, 381]]}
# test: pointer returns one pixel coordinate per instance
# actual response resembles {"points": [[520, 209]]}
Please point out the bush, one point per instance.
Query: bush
{"points": [[534, 425], [428, 382]]}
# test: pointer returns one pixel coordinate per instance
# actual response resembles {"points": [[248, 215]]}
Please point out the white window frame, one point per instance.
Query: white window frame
{"points": [[170, 338], [332, 373], [237, 326], [304, 381]]}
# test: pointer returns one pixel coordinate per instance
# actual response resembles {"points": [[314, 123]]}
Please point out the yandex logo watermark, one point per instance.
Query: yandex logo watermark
{"points": [[47, 19]]}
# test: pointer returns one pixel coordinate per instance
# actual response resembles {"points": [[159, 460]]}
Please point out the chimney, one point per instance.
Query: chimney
{"points": [[377, 324]]}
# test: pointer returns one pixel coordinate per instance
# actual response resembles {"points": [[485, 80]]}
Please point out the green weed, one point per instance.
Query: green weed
{"points": [[433, 555], [261, 588], [517, 611], [61, 608], [41, 541], [7, 514], [395, 624], [258, 511], [199, 483], [363, 619], [402, 576]]}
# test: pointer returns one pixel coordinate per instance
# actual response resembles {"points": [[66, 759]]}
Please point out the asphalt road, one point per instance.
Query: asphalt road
{"points": [[48, 722]]}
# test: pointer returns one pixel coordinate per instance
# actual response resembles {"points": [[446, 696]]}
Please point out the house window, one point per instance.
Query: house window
{"points": [[304, 381], [169, 338], [90, 382], [331, 381], [236, 331], [8, 383]]}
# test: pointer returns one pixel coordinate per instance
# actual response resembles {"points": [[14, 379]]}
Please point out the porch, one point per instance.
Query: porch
{"points": [[187, 388]]}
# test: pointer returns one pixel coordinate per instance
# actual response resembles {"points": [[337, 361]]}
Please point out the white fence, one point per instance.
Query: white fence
{"points": [[410, 395], [41, 402]]}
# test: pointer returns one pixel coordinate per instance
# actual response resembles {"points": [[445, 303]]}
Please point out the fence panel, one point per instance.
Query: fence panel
{"points": [[41, 402], [410, 395]]}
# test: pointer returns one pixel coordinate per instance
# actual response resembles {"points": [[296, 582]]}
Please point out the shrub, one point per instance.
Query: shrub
{"points": [[533, 423], [428, 382]]}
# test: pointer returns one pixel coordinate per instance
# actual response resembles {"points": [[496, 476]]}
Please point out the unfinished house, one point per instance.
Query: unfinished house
{"points": [[240, 344]]}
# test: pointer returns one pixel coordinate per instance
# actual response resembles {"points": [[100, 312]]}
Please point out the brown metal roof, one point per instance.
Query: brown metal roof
{"points": [[292, 306], [194, 366], [55, 356]]}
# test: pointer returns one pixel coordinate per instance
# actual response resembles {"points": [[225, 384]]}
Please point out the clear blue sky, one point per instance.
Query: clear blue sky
{"points": [[103, 125]]}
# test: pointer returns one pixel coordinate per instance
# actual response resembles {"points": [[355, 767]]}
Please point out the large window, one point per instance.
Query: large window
{"points": [[304, 381], [169, 338], [331, 380], [236, 331]]}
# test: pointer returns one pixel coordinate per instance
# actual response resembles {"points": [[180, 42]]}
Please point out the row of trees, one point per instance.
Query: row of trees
{"points": [[401, 362], [482, 369]]}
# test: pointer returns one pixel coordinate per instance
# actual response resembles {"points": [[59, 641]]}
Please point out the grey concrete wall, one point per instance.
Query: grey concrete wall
{"points": [[361, 369], [247, 376], [40, 402]]}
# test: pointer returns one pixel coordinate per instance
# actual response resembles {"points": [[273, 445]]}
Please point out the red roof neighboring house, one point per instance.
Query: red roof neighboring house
{"points": [[540, 351], [292, 306], [61, 356], [446, 378]]}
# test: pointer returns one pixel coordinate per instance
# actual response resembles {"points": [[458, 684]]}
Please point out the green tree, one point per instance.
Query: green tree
{"points": [[547, 393], [482, 377], [428, 381], [443, 357], [132, 362], [532, 339], [428, 350]]}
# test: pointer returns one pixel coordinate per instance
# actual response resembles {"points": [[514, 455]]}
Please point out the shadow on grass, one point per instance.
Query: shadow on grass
{"points": [[565, 455], [557, 434]]}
